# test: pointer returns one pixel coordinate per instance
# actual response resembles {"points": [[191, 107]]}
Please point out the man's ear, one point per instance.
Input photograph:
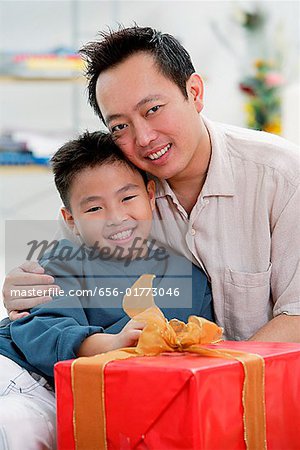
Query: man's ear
{"points": [[69, 219], [195, 90], [151, 193]]}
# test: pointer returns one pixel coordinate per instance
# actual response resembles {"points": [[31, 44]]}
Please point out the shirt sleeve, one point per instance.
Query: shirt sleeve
{"points": [[285, 277], [54, 331], [4, 322]]}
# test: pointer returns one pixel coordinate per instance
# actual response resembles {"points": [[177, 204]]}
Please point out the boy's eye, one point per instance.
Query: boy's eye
{"points": [[94, 209], [119, 127], [154, 109], [129, 197]]}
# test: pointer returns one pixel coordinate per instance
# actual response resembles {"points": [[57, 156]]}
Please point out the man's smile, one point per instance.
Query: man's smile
{"points": [[158, 154]]}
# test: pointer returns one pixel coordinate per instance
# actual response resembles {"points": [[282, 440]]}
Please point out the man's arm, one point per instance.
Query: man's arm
{"points": [[282, 328], [285, 274], [22, 280], [31, 275]]}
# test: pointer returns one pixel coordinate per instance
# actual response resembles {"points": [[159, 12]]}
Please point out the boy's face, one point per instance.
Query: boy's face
{"points": [[155, 126], [110, 204]]}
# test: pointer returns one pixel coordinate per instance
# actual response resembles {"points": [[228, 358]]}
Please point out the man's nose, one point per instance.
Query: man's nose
{"points": [[144, 133]]}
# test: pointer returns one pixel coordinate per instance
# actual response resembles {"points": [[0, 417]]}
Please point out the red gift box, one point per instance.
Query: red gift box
{"points": [[182, 401]]}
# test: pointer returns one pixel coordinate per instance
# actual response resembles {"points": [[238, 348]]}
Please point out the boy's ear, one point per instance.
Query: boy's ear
{"points": [[195, 90], [151, 193], [69, 219]]}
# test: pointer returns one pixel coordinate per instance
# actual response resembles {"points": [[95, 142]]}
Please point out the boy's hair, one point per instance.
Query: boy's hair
{"points": [[115, 46], [88, 151]]}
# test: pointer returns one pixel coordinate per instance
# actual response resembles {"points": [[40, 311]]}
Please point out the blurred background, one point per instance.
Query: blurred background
{"points": [[246, 51]]}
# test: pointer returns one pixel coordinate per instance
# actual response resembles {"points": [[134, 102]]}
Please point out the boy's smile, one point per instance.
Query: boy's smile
{"points": [[111, 206]]}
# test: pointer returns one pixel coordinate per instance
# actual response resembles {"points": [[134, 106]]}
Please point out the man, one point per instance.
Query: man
{"points": [[226, 197]]}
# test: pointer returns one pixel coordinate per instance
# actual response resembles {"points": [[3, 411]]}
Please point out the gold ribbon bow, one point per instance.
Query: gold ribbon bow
{"points": [[159, 336]]}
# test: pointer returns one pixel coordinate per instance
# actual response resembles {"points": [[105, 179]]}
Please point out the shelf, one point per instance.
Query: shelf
{"points": [[19, 79], [9, 169]]}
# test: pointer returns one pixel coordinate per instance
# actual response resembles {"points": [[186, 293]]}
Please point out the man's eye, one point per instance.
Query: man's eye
{"points": [[154, 109], [119, 127], [94, 209], [130, 197]]}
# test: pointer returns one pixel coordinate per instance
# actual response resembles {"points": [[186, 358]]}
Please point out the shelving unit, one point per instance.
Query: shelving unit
{"points": [[19, 79], [77, 82], [58, 69]]}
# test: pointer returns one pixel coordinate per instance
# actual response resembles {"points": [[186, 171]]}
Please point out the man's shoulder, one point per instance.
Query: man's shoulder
{"points": [[264, 149]]}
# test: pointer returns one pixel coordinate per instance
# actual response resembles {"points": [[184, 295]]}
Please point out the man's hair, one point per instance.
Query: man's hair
{"points": [[88, 151], [114, 47]]}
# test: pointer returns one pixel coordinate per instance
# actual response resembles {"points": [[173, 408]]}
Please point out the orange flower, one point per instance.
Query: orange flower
{"points": [[273, 127]]}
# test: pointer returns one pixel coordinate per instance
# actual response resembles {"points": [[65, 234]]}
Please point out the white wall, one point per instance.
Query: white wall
{"points": [[26, 196], [218, 45]]}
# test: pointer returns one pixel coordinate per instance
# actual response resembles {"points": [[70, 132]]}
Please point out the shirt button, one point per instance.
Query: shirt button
{"points": [[193, 231]]}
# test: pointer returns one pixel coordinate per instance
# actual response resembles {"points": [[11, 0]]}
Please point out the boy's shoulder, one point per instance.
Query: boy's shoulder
{"points": [[58, 247], [63, 255]]}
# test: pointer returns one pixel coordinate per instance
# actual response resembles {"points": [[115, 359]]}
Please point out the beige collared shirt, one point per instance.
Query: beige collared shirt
{"points": [[244, 229]]}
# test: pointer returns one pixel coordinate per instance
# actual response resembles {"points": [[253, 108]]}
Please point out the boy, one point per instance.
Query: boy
{"points": [[108, 205]]}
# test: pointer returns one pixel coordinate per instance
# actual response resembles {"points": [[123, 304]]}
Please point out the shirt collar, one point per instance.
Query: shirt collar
{"points": [[219, 180]]}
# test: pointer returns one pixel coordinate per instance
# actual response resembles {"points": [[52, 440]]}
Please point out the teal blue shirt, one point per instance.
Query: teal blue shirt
{"points": [[54, 331]]}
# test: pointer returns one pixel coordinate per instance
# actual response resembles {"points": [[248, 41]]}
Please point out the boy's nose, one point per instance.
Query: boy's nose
{"points": [[115, 217]]}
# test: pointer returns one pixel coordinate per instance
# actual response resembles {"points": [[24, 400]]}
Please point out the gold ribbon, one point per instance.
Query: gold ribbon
{"points": [[159, 336]]}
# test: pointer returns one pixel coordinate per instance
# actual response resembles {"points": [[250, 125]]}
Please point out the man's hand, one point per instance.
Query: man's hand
{"points": [[18, 283]]}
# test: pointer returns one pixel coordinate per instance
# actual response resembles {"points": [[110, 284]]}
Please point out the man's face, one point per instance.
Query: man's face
{"points": [[151, 121], [112, 206]]}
